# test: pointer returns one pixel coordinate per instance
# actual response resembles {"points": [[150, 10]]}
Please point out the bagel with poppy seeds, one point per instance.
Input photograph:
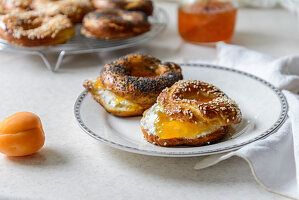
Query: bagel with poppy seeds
{"points": [[130, 85], [190, 113]]}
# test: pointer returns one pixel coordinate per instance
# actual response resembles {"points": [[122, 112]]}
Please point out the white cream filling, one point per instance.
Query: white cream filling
{"points": [[150, 117], [112, 101], [2, 25]]}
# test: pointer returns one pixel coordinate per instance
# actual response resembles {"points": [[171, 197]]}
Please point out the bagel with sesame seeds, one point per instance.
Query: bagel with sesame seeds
{"points": [[73, 9], [114, 24], [33, 28], [15, 5], [192, 113], [3, 11], [130, 85]]}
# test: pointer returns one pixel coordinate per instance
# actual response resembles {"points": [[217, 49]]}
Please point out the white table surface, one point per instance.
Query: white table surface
{"points": [[73, 165]]}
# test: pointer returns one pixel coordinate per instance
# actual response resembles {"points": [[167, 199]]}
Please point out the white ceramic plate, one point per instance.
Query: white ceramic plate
{"points": [[263, 106]]}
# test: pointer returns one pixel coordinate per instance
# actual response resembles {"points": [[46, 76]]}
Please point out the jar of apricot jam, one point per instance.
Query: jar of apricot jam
{"points": [[206, 21]]}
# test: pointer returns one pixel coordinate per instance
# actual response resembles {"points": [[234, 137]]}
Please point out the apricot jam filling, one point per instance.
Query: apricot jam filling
{"points": [[167, 128], [117, 99], [98, 84], [114, 100]]}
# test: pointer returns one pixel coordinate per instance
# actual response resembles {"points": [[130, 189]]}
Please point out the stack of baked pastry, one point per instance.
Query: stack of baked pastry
{"points": [[50, 22], [175, 111]]}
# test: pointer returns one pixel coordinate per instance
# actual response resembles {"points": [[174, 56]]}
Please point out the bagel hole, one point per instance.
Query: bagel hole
{"points": [[31, 23], [200, 97], [140, 69]]}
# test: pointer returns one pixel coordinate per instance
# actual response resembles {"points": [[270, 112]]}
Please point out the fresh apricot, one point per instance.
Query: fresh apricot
{"points": [[21, 134]]}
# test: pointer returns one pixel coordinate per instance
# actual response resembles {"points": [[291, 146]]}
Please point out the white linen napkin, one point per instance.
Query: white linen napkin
{"points": [[274, 160]]}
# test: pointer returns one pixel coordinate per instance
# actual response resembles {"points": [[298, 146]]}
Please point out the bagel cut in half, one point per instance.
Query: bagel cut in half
{"points": [[191, 113], [130, 85], [112, 103]]}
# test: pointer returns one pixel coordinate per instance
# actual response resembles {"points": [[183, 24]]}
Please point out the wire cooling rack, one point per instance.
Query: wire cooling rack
{"points": [[80, 44]]}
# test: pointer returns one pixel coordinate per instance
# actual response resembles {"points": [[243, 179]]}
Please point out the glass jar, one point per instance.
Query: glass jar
{"points": [[207, 20]]}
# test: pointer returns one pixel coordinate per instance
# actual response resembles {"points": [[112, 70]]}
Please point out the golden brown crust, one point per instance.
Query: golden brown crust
{"points": [[114, 24], [203, 140], [125, 113], [199, 101], [196, 102], [3, 11], [145, 6], [35, 29], [139, 78], [15, 5], [73, 9]]}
